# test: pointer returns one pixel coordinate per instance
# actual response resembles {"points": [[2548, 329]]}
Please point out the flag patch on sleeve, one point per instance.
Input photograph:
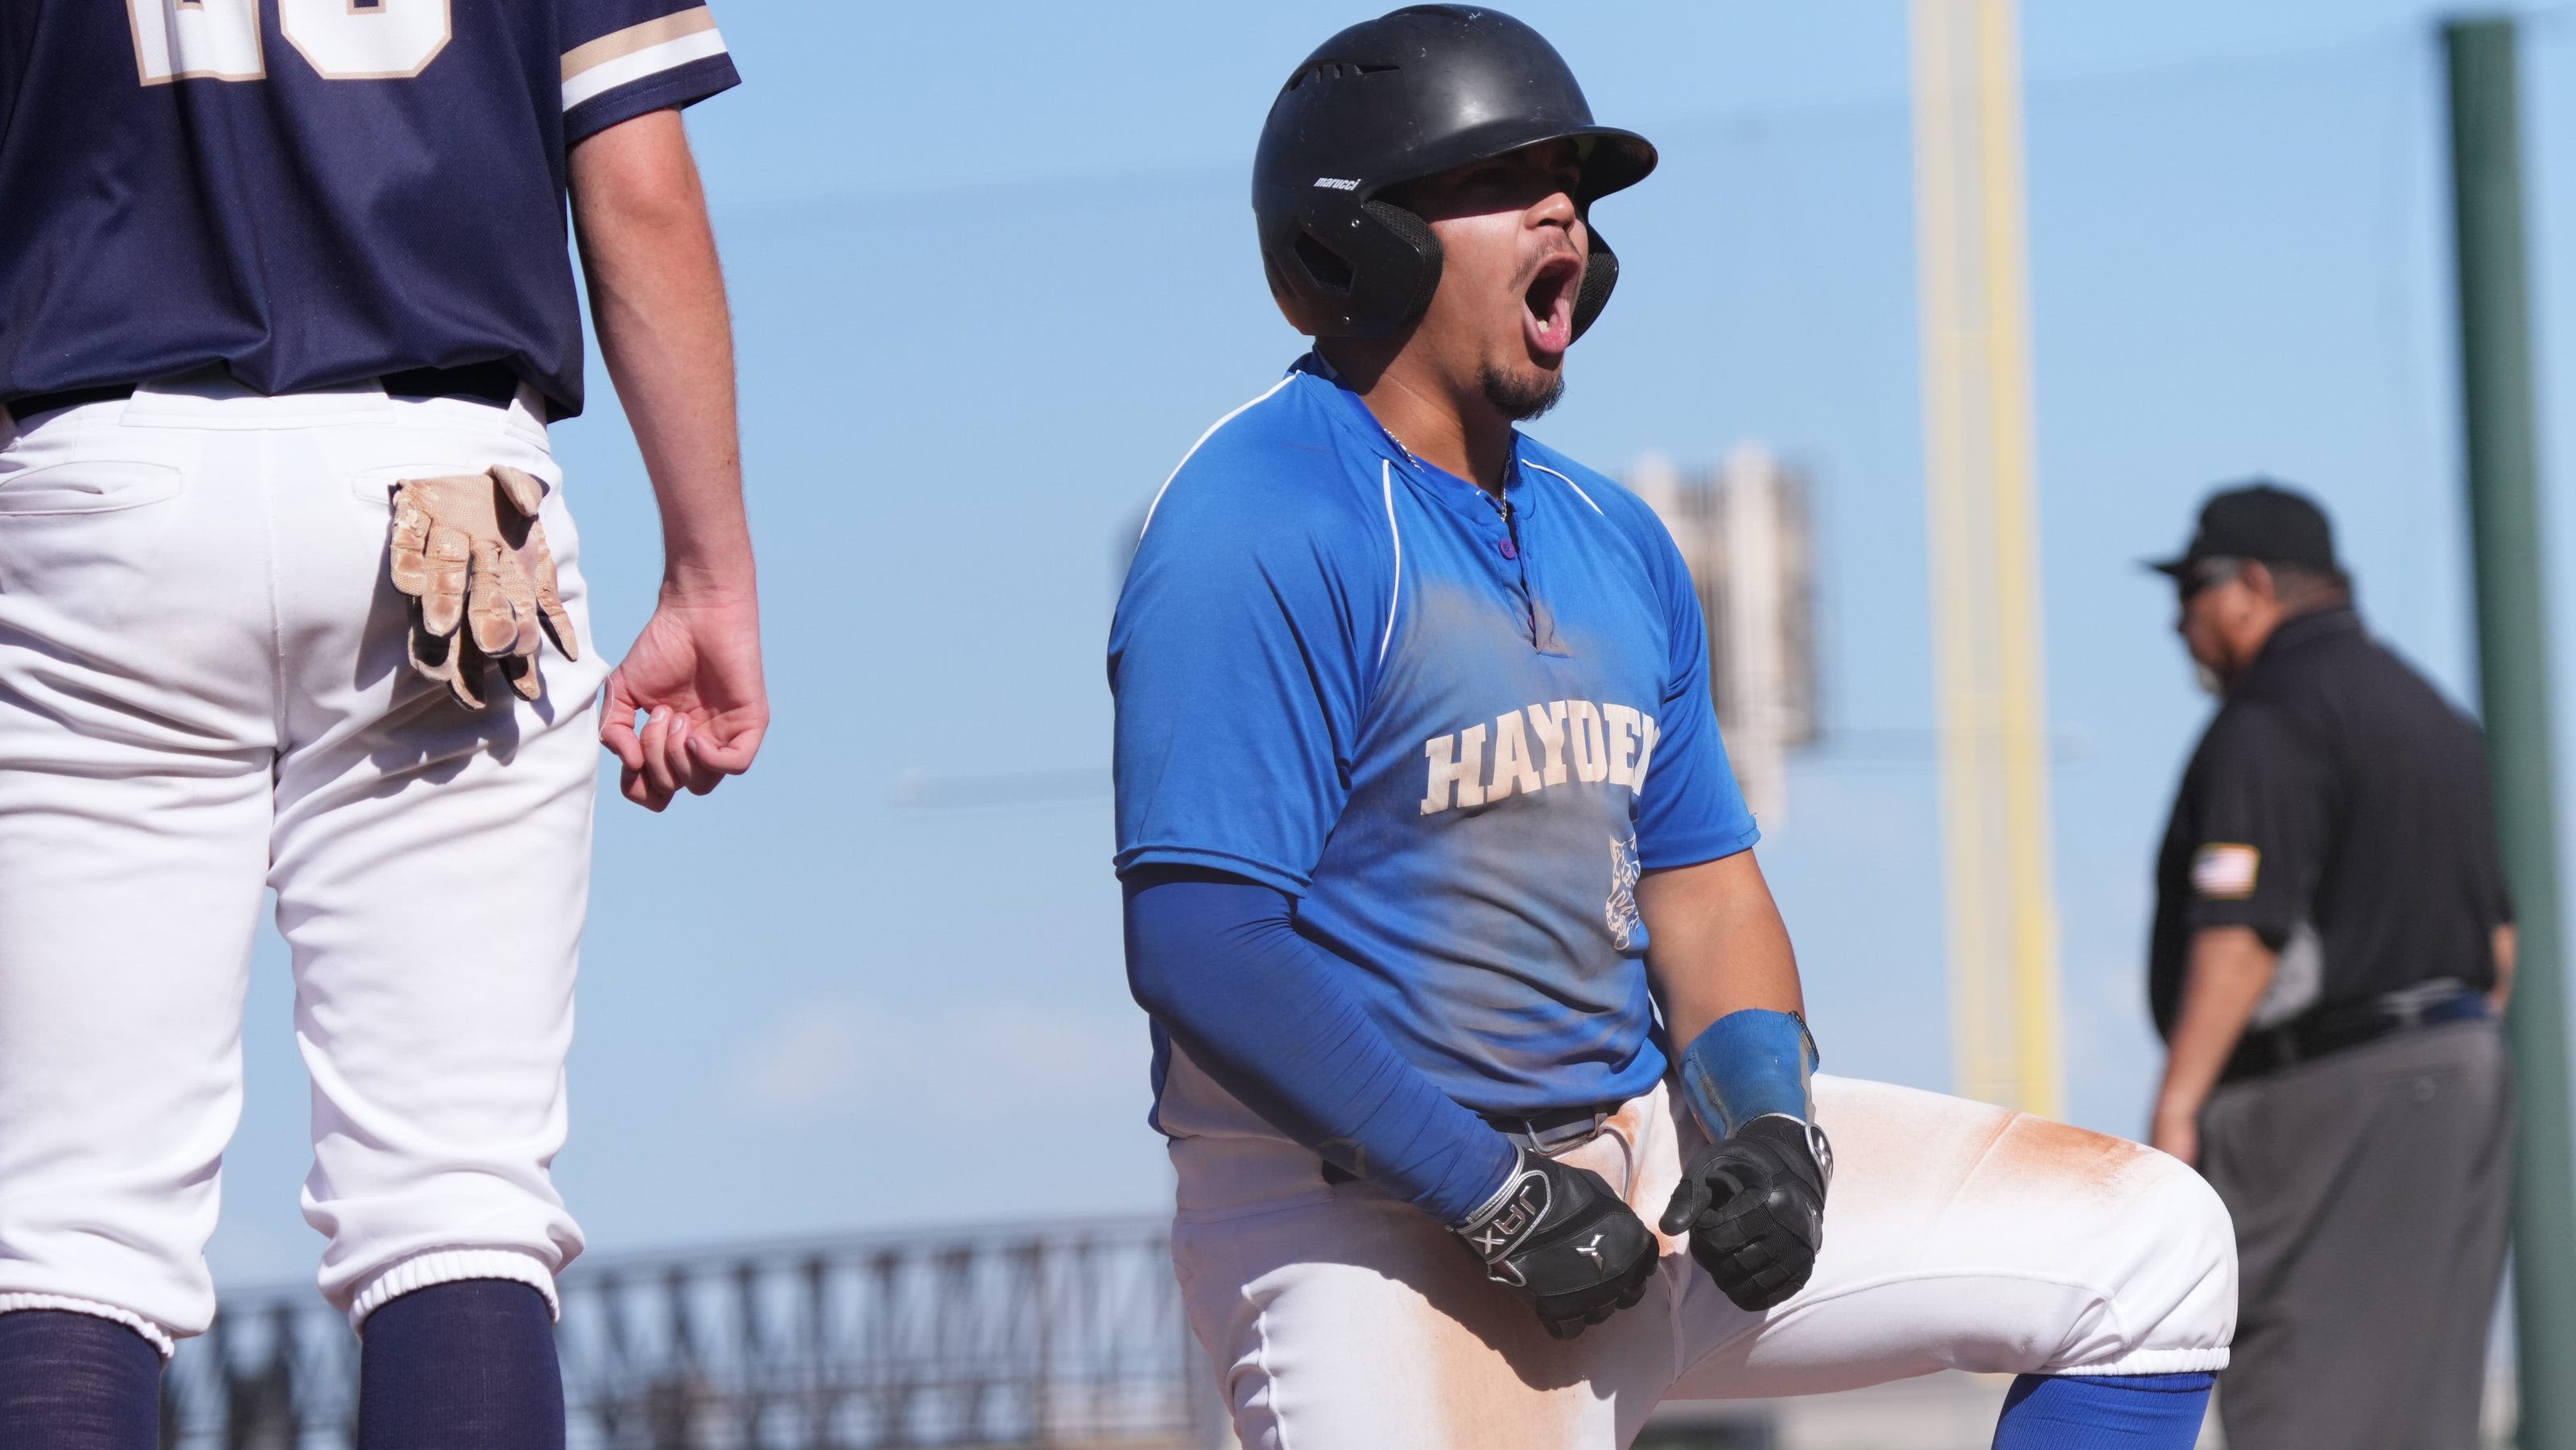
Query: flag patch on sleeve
{"points": [[2225, 870]]}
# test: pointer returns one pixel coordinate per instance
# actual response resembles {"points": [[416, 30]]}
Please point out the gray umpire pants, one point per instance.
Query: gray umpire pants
{"points": [[2370, 1190]]}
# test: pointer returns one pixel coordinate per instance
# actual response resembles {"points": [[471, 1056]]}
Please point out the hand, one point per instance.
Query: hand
{"points": [[1754, 1206], [1560, 1239], [2176, 1130], [695, 674]]}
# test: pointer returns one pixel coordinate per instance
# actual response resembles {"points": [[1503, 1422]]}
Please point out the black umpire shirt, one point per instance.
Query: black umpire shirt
{"points": [[2339, 807]]}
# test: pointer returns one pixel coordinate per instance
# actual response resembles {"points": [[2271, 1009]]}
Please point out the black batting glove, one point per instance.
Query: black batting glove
{"points": [[1754, 1206], [1560, 1239]]}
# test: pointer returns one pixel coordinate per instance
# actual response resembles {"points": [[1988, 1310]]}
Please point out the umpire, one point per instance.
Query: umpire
{"points": [[2332, 945]]}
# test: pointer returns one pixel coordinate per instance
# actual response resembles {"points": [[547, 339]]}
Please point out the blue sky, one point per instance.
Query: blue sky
{"points": [[993, 270]]}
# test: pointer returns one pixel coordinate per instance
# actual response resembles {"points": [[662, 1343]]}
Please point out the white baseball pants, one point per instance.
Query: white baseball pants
{"points": [[1957, 1236], [204, 695]]}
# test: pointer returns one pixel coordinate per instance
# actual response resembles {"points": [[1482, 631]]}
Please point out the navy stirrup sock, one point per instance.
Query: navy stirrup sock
{"points": [[2104, 1412], [76, 1382], [463, 1366]]}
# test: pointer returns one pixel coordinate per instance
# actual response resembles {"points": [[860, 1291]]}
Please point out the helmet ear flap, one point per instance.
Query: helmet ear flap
{"points": [[1371, 274], [1403, 293], [1600, 274]]}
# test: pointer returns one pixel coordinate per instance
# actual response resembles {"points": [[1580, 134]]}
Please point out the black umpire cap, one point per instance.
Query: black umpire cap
{"points": [[2258, 520]]}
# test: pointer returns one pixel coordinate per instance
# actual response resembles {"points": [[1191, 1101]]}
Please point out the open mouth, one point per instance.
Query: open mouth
{"points": [[1547, 307]]}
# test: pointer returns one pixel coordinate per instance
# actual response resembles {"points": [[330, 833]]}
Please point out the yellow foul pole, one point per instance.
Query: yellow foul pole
{"points": [[1980, 498]]}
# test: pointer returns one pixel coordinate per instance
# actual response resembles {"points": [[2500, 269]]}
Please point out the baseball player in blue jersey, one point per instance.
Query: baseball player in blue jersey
{"points": [[1479, 1041], [290, 601]]}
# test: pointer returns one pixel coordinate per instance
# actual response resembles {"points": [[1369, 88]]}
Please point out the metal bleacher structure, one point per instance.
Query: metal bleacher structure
{"points": [[1068, 1337]]}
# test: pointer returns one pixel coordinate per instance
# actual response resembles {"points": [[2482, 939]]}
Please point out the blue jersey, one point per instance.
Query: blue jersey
{"points": [[310, 192], [1454, 728]]}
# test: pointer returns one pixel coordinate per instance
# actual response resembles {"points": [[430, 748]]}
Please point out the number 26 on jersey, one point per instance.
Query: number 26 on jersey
{"points": [[344, 40]]}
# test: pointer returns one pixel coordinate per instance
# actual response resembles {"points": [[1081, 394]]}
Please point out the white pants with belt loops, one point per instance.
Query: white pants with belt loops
{"points": [[1957, 1236], [203, 696]]}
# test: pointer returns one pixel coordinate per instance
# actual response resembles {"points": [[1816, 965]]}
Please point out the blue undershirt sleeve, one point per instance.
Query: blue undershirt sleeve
{"points": [[1218, 961]]}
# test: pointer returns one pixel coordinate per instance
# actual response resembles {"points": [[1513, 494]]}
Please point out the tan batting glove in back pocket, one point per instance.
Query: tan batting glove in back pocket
{"points": [[469, 551]]}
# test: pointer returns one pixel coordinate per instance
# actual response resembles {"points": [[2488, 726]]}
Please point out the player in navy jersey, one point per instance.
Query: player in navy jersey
{"points": [[1479, 1040], [290, 601]]}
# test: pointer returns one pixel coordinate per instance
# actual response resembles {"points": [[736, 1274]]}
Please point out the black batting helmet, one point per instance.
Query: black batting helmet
{"points": [[1409, 95]]}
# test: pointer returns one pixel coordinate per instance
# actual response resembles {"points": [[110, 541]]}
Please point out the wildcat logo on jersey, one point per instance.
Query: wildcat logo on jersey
{"points": [[1620, 911], [1563, 740]]}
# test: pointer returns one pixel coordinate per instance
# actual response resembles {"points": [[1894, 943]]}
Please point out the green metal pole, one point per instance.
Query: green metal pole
{"points": [[2513, 683]]}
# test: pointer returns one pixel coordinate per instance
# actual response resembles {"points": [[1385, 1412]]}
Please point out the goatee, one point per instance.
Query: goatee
{"points": [[1521, 397]]}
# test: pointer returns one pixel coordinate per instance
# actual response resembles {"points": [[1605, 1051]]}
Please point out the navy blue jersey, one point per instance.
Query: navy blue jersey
{"points": [[1454, 734], [310, 192]]}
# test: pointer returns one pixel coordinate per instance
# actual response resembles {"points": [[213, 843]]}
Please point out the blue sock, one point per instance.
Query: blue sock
{"points": [[76, 1382], [462, 1366], [2104, 1412]]}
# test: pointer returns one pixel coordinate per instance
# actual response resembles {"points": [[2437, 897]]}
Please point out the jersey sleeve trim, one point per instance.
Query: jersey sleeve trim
{"points": [[1692, 848], [1569, 483], [1395, 595], [639, 52], [1239, 411], [1290, 883], [669, 91]]}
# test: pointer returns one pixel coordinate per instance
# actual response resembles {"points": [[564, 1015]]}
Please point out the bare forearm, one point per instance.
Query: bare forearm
{"points": [[2507, 944], [693, 676], [657, 299], [1715, 944], [2230, 970]]}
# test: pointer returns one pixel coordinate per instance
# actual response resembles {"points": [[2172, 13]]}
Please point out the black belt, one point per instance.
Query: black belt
{"points": [[1551, 1132], [2335, 1029], [487, 382]]}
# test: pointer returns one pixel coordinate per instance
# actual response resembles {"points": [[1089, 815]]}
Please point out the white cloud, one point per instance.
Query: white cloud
{"points": [[811, 1058]]}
